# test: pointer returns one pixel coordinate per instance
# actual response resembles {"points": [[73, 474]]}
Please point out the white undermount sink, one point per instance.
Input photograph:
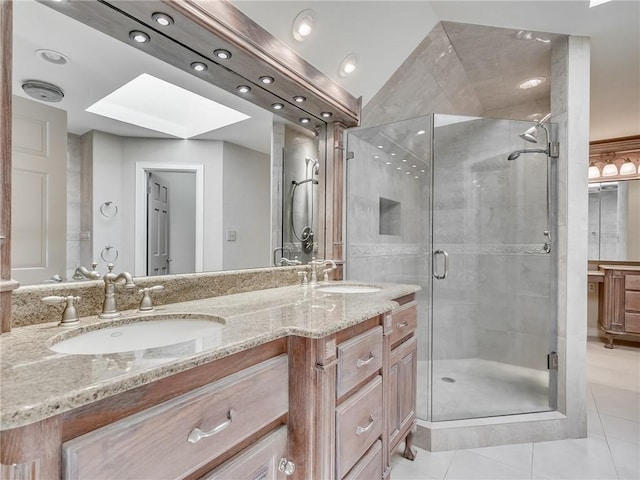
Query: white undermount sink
{"points": [[141, 334], [348, 289]]}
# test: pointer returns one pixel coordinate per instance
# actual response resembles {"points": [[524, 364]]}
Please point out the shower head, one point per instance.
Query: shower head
{"points": [[315, 163], [531, 133]]}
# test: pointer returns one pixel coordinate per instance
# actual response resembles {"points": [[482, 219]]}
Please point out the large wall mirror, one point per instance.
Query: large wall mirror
{"points": [[614, 200], [152, 199]]}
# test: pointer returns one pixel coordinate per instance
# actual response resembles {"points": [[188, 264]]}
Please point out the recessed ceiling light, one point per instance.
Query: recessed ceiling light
{"points": [[422, 171], [138, 36], [380, 146], [376, 156], [45, 91], [303, 24], [348, 65], [414, 166], [388, 163], [267, 80], [277, 106], [243, 88], [408, 173], [393, 155], [222, 53], [305, 120], [398, 168], [150, 102], [198, 66], [531, 82], [404, 160], [299, 99], [162, 19], [416, 176], [421, 132], [326, 114], [52, 56]]}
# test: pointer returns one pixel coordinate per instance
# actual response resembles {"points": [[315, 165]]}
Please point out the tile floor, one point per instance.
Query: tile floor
{"points": [[611, 450]]}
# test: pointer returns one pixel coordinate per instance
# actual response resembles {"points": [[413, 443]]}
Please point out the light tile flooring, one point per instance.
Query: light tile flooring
{"points": [[611, 450]]}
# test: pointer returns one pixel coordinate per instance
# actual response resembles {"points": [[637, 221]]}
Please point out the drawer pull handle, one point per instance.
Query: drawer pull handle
{"points": [[360, 430], [361, 363], [196, 434], [402, 325]]}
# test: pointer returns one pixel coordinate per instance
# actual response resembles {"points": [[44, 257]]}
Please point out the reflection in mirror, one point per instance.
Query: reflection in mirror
{"points": [[614, 221], [82, 180]]}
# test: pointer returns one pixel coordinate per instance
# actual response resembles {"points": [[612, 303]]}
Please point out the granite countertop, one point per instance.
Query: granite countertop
{"points": [[37, 383]]}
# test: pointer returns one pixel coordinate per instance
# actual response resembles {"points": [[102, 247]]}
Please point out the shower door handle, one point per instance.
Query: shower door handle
{"points": [[435, 264]]}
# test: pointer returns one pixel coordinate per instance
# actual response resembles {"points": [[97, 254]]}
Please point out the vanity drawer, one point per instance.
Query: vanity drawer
{"points": [[404, 320], [358, 358], [632, 301], [632, 322], [258, 462], [632, 282], [358, 425], [370, 466], [162, 442]]}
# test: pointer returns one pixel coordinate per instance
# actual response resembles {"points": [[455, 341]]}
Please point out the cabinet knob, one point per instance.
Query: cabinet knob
{"points": [[286, 466]]}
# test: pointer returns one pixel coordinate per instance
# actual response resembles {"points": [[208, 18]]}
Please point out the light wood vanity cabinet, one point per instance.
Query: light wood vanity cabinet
{"points": [[402, 377], [619, 301], [180, 436]]}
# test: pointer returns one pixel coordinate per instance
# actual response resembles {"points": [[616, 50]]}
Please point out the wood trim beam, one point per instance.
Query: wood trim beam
{"points": [[6, 53]]}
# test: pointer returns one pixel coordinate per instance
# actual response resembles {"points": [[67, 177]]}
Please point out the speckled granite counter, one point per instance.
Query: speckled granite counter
{"points": [[37, 383]]}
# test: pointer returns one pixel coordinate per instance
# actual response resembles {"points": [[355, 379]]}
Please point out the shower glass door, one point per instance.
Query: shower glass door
{"points": [[491, 305]]}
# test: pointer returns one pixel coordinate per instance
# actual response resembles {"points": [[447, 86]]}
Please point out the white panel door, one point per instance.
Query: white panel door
{"points": [[157, 226], [39, 193]]}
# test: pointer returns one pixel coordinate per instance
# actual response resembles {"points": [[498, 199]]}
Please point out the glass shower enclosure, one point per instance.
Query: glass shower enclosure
{"points": [[434, 201]]}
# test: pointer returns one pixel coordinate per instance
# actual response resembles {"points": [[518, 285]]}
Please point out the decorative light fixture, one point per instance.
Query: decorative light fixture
{"points": [[531, 83], [277, 106], [303, 24], [162, 19], [628, 168], [222, 54], [305, 120], [199, 66], [138, 36], [52, 56], [299, 99], [243, 88], [610, 170], [348, 65], [594, 172], [266, 79], [326, 114]]}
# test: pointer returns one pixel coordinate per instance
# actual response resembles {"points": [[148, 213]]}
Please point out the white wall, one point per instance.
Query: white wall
{"points": [[246, 208]]}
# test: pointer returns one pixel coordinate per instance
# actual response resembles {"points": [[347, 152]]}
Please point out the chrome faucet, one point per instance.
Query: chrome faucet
{"points": [[83, 272], [109, 309], [325, 272]]}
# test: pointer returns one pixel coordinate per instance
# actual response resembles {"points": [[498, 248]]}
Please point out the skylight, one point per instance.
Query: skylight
{"points": [[147, 101]]}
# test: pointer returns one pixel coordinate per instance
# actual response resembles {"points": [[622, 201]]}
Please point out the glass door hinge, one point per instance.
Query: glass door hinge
{"points": [[552, 361]]}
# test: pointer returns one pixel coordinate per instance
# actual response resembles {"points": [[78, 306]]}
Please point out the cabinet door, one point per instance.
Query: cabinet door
{"points": [[402, 390], [258, 462]]}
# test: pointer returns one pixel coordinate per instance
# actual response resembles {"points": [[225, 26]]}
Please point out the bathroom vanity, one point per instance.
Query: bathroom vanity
{"points": [[619, 301], [297, 383]]}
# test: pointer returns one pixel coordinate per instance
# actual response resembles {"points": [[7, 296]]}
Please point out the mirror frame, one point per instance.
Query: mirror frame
{"points": [[256, 53]]}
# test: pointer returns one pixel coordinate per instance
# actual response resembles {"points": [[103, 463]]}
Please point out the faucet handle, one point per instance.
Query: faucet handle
{"points": [[305, 280], [69, 314], [146, 304], [110, 267]]}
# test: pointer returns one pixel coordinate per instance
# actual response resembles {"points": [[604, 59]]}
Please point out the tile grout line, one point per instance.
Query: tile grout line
{"points": [[606, 438], [449, 466], [533, 447]]}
